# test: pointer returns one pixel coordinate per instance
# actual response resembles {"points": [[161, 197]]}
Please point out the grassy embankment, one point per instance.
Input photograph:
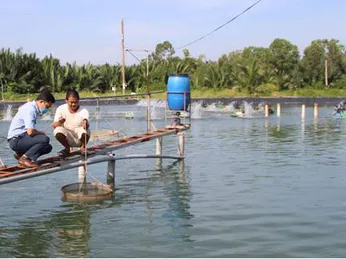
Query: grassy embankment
{"points": [[207, 93]]}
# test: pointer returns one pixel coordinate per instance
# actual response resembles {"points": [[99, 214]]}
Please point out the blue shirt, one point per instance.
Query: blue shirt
{"points": [[24, 119]]}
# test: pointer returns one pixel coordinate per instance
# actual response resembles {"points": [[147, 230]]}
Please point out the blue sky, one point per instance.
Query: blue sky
{"points": [[89, 30]]}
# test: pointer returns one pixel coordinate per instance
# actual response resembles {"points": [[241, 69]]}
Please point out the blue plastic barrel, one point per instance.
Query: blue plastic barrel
{"points": [[178, 92]]}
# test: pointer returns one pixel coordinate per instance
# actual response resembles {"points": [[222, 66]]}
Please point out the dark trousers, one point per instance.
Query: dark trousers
{"points": [[32, 146]]}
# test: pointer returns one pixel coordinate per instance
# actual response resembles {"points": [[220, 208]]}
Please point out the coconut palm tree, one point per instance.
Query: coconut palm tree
{"points": [[249, 76]]}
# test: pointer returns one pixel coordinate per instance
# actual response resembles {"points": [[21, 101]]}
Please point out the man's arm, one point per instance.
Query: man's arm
{"points": [[85, 124], [58, 123], [58, 118], [85, 121], [30, 123], [33, 132]]}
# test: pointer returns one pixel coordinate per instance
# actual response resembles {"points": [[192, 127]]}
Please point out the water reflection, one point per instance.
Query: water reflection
{"points": [[68, 233], [250, 187], [72, 230], [176, 187], [282, 134], [324, 132], [61, 234]]}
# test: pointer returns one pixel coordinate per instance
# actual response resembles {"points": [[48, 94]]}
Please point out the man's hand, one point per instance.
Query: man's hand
{"points": [[85, 124], [58, 123]]}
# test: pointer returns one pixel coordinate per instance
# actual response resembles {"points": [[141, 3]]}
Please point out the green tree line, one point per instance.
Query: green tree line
{"points": [[253, 70]]}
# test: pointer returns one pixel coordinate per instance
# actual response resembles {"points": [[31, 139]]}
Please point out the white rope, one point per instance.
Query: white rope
{"points": [[97, 180], [86, 164]]}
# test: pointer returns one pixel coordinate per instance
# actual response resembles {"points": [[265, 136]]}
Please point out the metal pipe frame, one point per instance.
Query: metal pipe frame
{"points": [[90, 161]]}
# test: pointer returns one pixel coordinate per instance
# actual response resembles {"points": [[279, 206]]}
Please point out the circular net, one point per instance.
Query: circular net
{"points": [[86, 192]]}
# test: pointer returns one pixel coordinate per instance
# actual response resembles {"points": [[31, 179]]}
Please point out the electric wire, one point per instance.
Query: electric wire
{"points": [[218, 28], [129, 51]]}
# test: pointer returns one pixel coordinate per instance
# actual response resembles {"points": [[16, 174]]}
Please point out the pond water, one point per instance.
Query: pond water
{"points": [[249, 187]]}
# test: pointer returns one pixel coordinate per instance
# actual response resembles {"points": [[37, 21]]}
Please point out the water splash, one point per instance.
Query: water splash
{"points": [[156, 107], [8, 113], [155, 102], [97, 114], [211, 108], [196, 110], [251, 110], [248, 109], [220, 107], [154, 111], [142, 102], [230, 107]]}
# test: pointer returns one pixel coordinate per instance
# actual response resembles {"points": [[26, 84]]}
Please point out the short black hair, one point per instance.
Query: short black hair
{"points": [[72, 92], [46, 96]]}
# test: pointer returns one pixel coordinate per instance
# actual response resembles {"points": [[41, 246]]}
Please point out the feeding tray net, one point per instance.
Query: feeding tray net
{"points": [[84, 192], [103, 134]]}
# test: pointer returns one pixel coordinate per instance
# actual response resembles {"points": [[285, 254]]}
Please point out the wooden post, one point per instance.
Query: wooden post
{"points": [[159, 146], [303, 111], [159, 153], [148, 95], [315, 110], [278, 109], [181, 144], [123, 56], [111, 173], [266, 110]]}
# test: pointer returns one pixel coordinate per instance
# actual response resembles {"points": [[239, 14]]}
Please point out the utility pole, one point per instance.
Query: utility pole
{"points": [[123, 56], [326, 72], [148, 93]]}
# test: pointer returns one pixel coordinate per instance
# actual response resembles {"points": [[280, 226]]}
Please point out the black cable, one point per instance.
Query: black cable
{"points": [[218, 28], [129, 51]]}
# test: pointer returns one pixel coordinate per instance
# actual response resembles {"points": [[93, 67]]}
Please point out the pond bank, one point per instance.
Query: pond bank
{"points": [[270, 100]]}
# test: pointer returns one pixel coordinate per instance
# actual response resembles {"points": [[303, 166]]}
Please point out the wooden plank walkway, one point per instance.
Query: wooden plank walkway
{"points": [[101, 149]]}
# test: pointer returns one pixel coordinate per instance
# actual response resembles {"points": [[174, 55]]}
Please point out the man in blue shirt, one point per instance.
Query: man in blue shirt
{"points": [[23, 137]]}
